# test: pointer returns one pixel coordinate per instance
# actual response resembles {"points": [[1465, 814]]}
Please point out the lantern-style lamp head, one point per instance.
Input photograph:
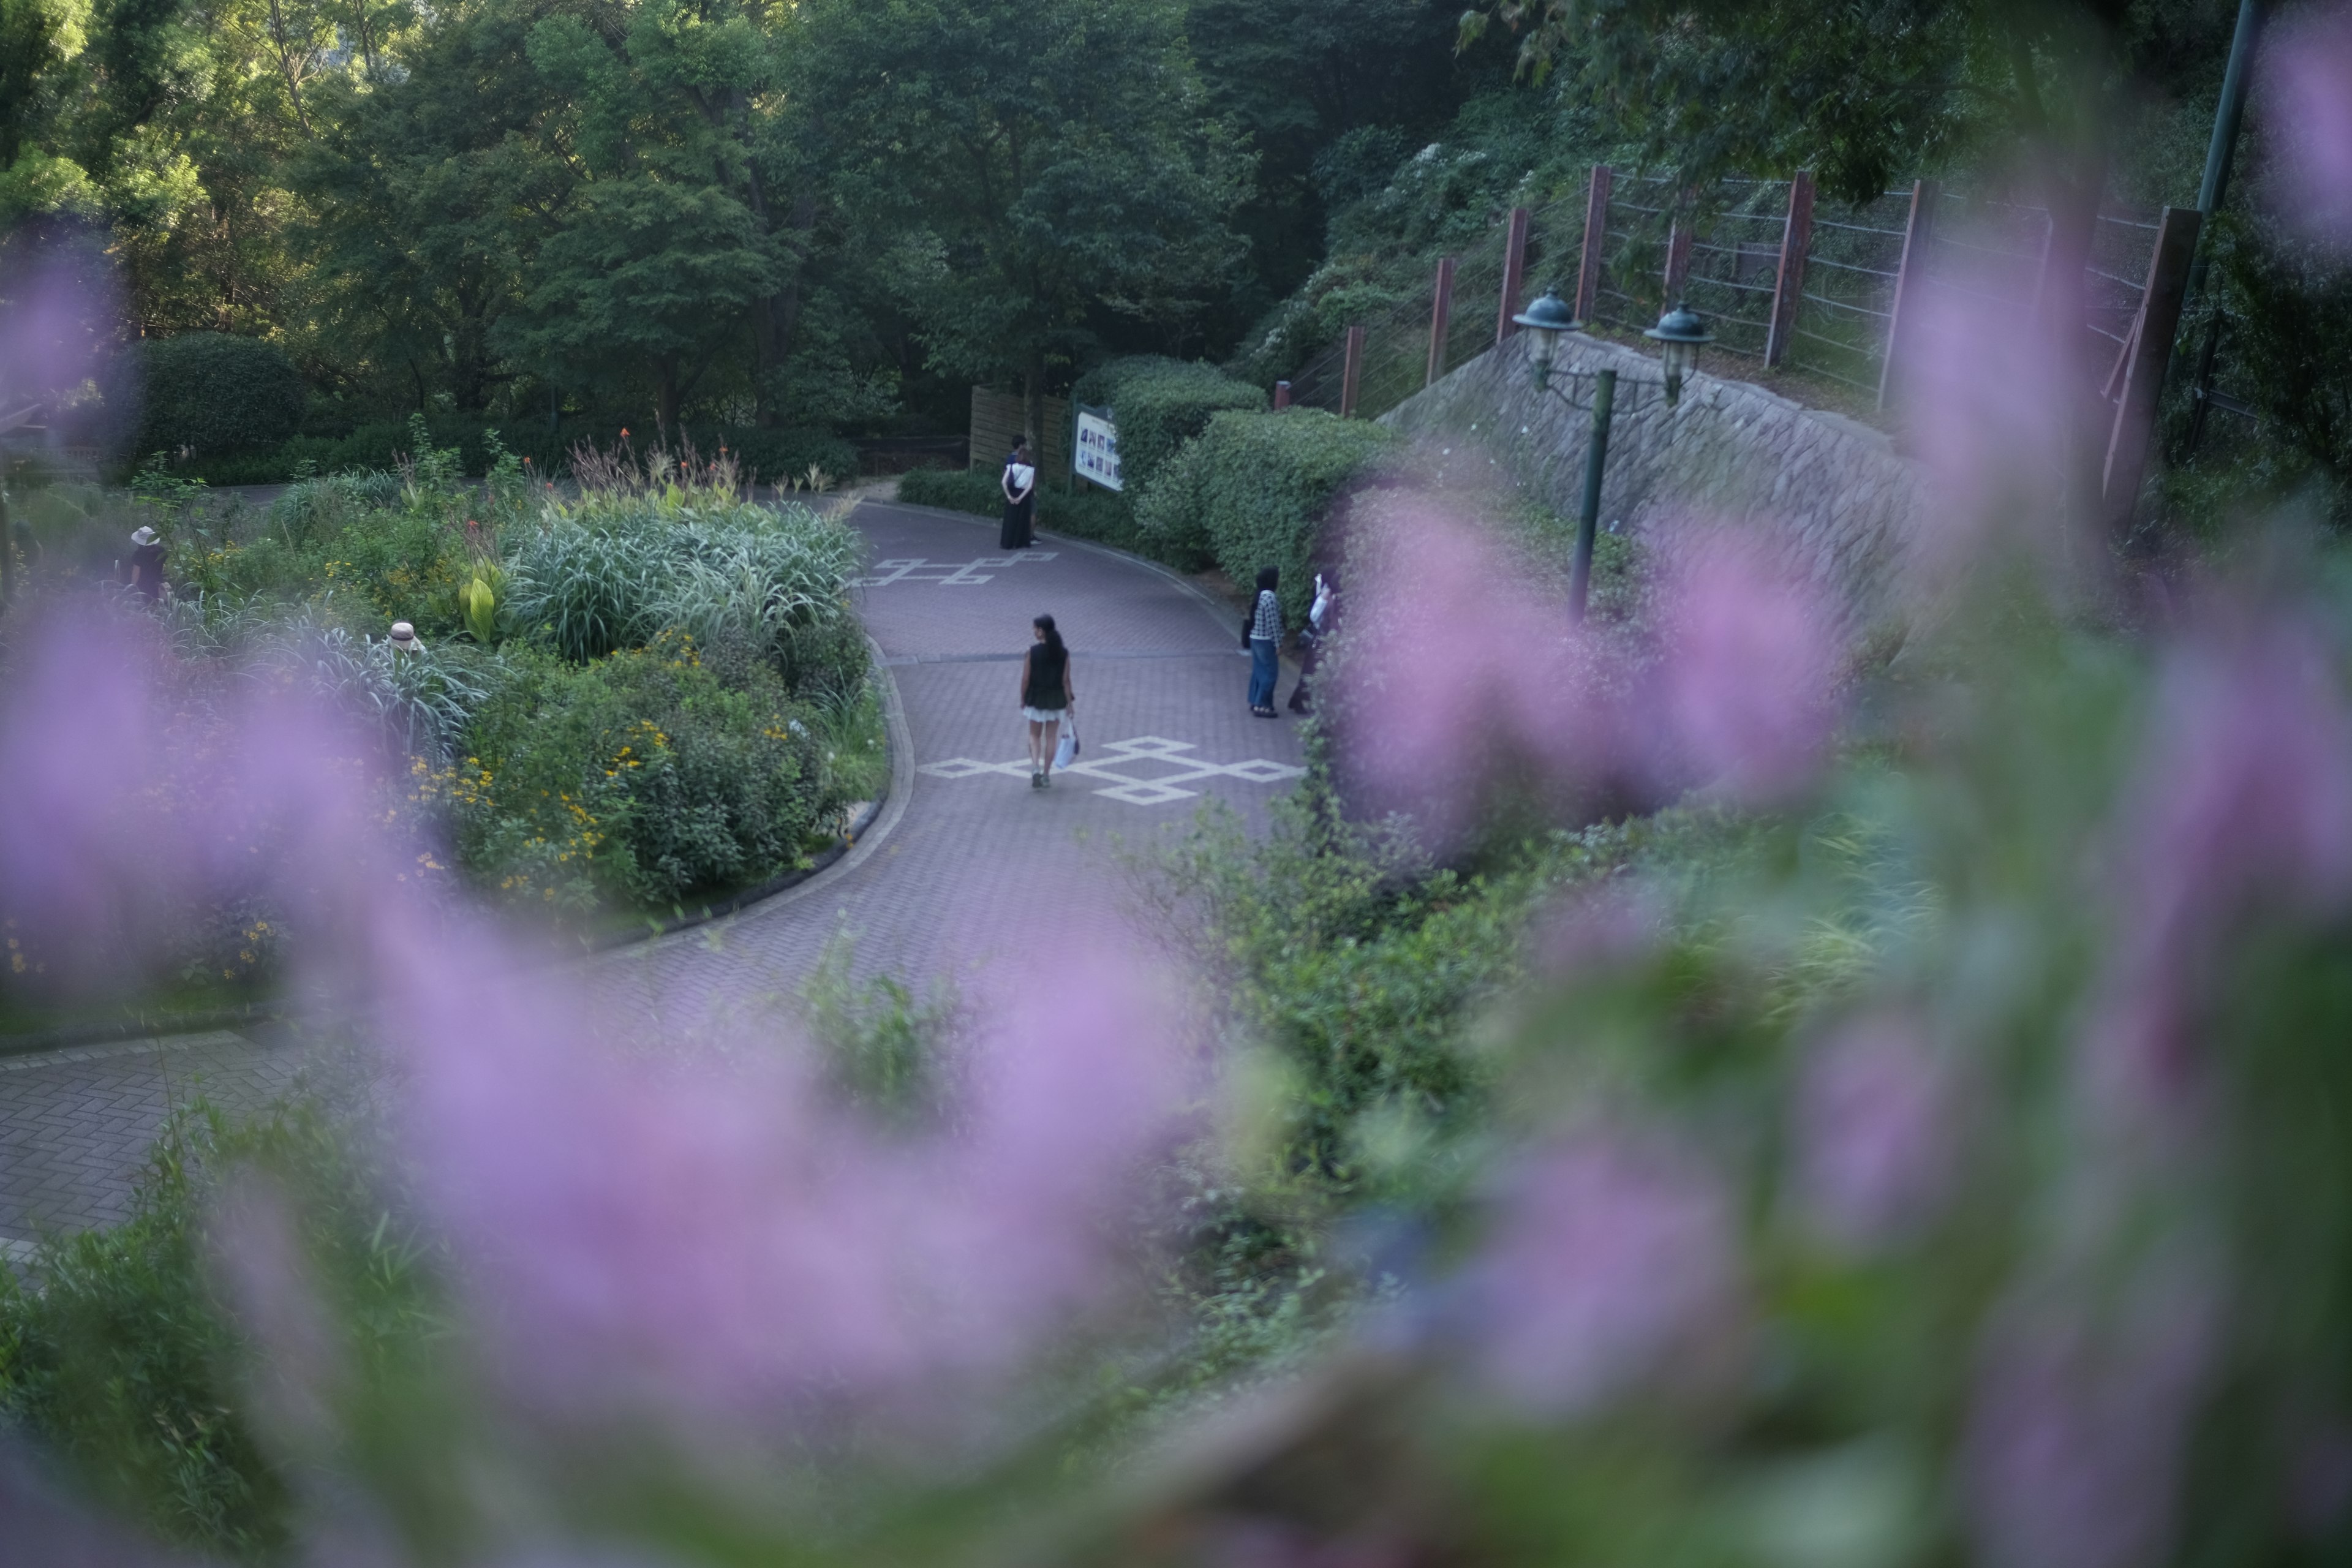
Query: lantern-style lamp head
{"points": [[1682, 332], [1545, 319]]}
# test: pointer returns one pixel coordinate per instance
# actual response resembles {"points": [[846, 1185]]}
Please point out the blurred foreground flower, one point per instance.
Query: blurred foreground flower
{"points": [[2305, 99], [2243, 799], [1458, 673], [1612, 1264], [1878, 1132], [713, 1237]]}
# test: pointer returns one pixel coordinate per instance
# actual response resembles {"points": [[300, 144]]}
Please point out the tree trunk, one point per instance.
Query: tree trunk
{"points": [[1033, 413], [666, 405]]}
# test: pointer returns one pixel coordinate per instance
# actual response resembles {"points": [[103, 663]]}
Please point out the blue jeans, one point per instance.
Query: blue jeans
{"points": [[1265, 669]]}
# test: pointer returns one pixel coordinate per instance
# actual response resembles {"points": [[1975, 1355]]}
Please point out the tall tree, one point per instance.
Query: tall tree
{"points": [[428, 189], [1296, 75], [1038, 161]]}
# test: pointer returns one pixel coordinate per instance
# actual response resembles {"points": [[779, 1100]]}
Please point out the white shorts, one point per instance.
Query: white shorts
{"points": [[1045, 715]]}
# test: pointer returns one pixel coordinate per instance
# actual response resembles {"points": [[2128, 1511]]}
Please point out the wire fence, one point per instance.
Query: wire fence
{"points": [[1731, 237]]}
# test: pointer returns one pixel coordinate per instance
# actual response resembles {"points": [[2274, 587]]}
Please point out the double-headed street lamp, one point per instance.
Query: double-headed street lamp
{"points": [[1682, 332]]}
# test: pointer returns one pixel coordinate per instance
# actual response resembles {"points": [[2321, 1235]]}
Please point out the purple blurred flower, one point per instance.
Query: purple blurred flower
{"points": [[1600, 928], [1612, 1263], [2244, 795], [1745, 689], [2306, 101], [1877, 1134], [709, 1237], [2076, 1439], [257, 1251], [61, 317], [1457, 671], [702, 1235], [1454, 670]]}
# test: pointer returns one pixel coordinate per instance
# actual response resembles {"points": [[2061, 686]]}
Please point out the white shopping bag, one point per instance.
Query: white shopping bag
{"points": [[1067, 752]]}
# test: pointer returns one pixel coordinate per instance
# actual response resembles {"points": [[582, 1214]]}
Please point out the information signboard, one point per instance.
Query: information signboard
{"points": [[1096, 455]]}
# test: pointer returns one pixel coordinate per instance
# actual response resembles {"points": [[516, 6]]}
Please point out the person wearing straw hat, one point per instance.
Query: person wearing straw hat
{"points": [[404, 638], [147, 562]]}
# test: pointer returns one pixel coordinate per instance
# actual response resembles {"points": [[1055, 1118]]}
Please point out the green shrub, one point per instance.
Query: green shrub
{"points": [[1252, 490], [644, 776], [318, 508], [615, 573], [1158, 405], [219, 395], [1086, 513], [117, 1356]]}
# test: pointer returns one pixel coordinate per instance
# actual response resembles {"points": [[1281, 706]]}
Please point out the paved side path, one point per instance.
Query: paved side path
{"points": [[975, 863]]}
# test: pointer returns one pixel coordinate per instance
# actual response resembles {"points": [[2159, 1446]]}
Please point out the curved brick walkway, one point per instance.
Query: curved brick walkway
{"points": [[958, 871]]}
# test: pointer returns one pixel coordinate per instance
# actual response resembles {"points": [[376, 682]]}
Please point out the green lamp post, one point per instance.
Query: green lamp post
{"points": [[1681, 332]]}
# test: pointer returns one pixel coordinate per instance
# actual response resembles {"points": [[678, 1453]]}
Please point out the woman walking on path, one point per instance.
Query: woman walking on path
{"points": [[1047, 694], [1018, 484], [1266, 644], [1321, 621]]}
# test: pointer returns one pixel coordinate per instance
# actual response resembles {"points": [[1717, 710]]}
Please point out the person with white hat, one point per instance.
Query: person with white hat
{"points": [[147, 562], [404, 638]]}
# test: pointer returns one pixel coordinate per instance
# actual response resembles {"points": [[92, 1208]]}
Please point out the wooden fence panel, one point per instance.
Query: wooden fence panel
{"points": [[997, 418]]}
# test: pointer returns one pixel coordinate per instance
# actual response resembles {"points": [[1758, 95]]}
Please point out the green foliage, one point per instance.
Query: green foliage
{"points": [[2281, 309], [643, 777], [118, 1355], [616, 572], [216, 393], [1254, 489], [1071, 167], [889, 1054], [1158, 405], [1083, 513]]}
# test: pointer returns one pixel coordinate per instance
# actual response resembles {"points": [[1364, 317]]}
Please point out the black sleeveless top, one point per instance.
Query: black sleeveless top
{"points": [[1046, 686]]}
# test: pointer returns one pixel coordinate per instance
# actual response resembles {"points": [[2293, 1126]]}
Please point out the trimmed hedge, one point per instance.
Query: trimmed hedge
{"points": [[1159, 404], [221, 396], [1089, 514], [1254, 487]]}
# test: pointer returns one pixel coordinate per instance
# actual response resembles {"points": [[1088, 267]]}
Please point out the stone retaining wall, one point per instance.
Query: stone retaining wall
{"points": [[1842, 502]]}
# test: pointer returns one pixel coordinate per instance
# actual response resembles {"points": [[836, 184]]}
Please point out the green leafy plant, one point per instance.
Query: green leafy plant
{"points": [[1253, 489], [215, 395], [1158, 405]]}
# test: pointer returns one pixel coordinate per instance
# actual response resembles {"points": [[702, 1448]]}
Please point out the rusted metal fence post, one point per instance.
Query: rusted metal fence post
{"points": [[1352, 373], [1917, 233], [1596, 233], [2150, 353], [1515, 267], [1788, 289], [1441, 311]]}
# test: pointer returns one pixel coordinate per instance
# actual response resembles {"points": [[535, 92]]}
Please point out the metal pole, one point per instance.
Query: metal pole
{"points": [[7, 547], [1441, 311], [1588, 522], [2219, 153]]}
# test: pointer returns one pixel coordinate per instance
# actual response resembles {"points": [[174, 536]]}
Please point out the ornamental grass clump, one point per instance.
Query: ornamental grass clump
{"points": [[616, 571]]}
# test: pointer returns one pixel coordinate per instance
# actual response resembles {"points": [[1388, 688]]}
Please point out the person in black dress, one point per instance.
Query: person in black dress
{"points": [[1018, 484], [1048, 695]]}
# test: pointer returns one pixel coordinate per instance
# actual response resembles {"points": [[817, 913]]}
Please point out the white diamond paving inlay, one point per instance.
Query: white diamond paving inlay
{"points": [[946, 573], [1106, 762]]}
